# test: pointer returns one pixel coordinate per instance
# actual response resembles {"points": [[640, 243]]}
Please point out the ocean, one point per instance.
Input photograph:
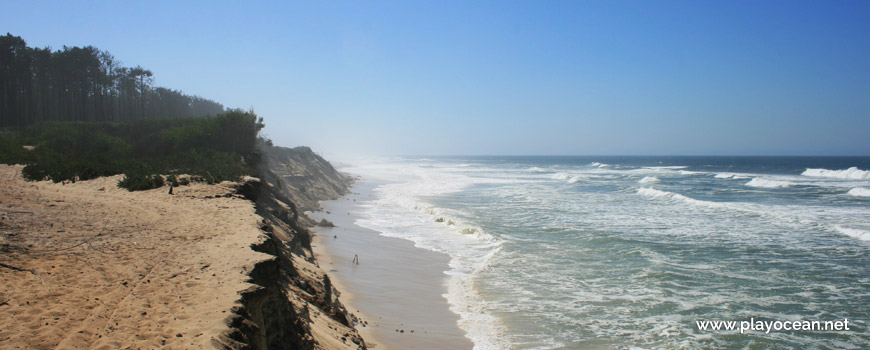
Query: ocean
{"points": [[635, 252]]}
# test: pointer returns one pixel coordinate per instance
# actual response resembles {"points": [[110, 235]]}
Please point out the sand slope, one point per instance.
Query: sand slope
{"points": [[112, 269]]}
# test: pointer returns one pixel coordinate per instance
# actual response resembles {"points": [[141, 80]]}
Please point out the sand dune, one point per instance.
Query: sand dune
{"points": [[90, 265]]}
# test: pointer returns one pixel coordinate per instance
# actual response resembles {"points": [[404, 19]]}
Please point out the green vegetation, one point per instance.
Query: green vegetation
{"points": [[12, 152], [211, 149], [82, 115], [83, 84], [139, 181]]}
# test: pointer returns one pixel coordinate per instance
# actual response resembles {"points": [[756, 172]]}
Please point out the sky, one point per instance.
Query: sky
{"points": [[501, 77]]}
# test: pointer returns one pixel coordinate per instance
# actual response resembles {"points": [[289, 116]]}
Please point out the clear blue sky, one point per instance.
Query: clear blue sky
{"points": [[502, 77]]}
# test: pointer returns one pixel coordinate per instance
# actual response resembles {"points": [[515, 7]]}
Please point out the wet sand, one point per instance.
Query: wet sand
{"points": [[396, 286]]}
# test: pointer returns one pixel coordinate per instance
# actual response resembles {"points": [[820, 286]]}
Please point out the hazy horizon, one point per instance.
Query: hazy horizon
{"points": [[779, 78]]}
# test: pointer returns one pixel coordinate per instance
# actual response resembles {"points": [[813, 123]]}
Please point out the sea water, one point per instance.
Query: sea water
{"points": [[633, 252]]}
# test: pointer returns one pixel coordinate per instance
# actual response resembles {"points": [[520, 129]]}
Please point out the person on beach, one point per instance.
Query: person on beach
{"points": [[355, 259]]}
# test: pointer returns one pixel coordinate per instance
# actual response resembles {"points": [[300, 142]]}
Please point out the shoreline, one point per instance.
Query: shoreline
{"points": [[397, 288]]}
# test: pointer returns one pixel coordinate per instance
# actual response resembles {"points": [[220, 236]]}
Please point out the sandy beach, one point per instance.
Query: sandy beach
{"points": [[397, 288], [90, 265], [108, 268]]}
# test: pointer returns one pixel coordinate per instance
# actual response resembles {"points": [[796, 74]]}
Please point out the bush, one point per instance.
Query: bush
{"points": [[12, 151], [173, 181], [140, 181], [213, 148]]}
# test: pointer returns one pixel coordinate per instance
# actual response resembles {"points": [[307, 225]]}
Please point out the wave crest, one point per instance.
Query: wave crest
{"points": [[565, 176], [648, 180], [670, 167], [730, 176], [859, 192], [654, 193], [855, 233], [767, 183], [852, 173]]}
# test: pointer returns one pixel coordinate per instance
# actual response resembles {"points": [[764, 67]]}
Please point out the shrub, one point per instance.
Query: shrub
{"points": [[173, 181], [212, 148], [12, 151], [139, 181]]}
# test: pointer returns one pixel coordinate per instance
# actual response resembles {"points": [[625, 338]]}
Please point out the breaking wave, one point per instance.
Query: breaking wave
{"points": [[648, 180], [654, 193], [767, 183], [855, 233], [859, 192], [852, 173], [565, 176], [730, 176], [658, 168]]}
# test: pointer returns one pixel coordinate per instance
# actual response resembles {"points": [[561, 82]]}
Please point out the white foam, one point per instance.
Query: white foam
{"points": [[535, 169], [571, 178], [400, 210], [674, 167], [483, 329], [768, 183], [731, 176], [599, 165], [853, 232], [438, 229], [859, 192], [561, 176], [654, 193], [648, 180], [852, 173]]}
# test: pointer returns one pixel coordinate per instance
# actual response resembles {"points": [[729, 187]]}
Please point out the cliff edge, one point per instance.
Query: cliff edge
{"points": [[302, 176], [228, 265], [294, 305]]}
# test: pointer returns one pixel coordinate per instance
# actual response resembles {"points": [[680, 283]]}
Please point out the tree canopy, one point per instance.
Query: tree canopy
{"points": [[83, 84]]}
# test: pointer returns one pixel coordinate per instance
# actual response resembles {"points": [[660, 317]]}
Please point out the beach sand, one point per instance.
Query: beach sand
{"points": [[90, 265], [396, 286], [111, 268]]}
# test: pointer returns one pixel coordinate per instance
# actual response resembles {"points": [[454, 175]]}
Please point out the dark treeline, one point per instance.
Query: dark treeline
{"points": [[212, 149], [83, 84]]}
